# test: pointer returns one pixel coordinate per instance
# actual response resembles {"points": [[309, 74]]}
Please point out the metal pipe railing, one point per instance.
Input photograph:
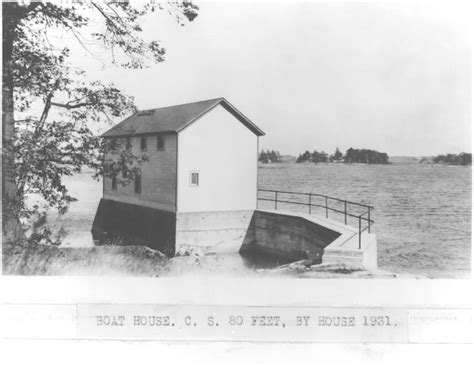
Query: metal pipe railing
{"points": [[361, 217], [318, 195]]}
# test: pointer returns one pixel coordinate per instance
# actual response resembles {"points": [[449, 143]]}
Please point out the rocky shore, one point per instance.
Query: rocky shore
{"points": [[304, 269]]}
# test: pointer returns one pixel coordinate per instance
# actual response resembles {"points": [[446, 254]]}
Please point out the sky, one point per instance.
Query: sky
{"points": [[315, 76]]}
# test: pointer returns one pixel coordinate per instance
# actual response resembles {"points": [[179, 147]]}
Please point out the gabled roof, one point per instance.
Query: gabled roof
{"points": [[174, 119]]}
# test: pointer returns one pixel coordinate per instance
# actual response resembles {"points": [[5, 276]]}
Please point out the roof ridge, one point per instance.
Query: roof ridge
{"points": [[181, 104]]}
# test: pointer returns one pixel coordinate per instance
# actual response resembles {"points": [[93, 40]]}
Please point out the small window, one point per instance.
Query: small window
{"points": [[138, 183], [194, 179], [114, 183], [143, 143], [160, 142], [114, 143]]}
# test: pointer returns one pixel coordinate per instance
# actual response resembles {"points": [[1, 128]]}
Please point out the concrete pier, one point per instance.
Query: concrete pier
{"points": [[344, 248], [284, 234], [279, 233]]}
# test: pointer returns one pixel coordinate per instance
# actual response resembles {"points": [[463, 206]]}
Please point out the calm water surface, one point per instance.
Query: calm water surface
{"points": [[422, 212]]}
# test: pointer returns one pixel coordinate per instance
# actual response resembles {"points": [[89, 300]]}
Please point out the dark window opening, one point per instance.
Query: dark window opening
{"points": [[194, 179], [114, 143], [114, 183], [143, 143], [160, 142], [138, 183]]}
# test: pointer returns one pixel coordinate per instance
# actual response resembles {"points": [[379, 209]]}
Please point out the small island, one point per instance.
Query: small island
{"points": [[448, 159]]}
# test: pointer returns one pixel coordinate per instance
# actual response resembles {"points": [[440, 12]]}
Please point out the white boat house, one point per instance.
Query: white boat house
{"points": [[202, 158]]}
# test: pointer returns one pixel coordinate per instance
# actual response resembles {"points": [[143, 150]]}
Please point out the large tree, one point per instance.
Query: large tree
{"points": [[48, 104]]}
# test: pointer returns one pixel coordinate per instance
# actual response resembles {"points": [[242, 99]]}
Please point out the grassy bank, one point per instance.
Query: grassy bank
{"points": [[37, 259]]}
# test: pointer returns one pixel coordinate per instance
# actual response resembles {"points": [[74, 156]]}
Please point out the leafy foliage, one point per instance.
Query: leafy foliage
{"points": [[365, 156], [304, 158], [269, 157], [337, 156], [449, 159], [319, 157], [314, 157]]}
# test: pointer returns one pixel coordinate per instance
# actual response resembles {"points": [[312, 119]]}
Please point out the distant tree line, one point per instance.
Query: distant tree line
{"points": [[269, 157], [449, 159], [363, 156]]}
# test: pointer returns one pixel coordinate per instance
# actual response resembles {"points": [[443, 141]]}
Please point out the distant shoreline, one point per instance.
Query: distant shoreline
{"points": [[462, 159], [364, 164]]}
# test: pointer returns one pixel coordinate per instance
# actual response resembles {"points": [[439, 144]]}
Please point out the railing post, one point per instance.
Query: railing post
{"points": [[276, 199], [310, 203], [360, 228], [369, 218], [345, 212], [326, 206]]}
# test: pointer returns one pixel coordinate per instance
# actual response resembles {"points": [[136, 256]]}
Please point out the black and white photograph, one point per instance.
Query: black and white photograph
{"points": [[307, 140], [238, 171]]}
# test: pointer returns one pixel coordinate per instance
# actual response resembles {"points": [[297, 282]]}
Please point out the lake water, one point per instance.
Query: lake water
{"points": [[422, 212]]}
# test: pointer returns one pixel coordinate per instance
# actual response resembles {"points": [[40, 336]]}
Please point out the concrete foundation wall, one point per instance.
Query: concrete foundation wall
{"points": [[136, 225], [216, 231], [370, 251], [287, 236], [290, 236]]}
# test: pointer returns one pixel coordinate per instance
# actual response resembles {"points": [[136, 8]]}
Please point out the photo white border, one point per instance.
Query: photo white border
{"points": [[416, 293]]}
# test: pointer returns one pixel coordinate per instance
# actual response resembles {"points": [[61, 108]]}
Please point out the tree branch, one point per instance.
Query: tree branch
{"points": [[47, 106], [74, 104], [70, 106]]}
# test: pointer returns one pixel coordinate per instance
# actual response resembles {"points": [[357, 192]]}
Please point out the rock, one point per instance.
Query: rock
{"points": [[311, 262]]}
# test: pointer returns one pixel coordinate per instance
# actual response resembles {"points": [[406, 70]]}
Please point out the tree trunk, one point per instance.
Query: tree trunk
{"points": [[11, 227]]}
